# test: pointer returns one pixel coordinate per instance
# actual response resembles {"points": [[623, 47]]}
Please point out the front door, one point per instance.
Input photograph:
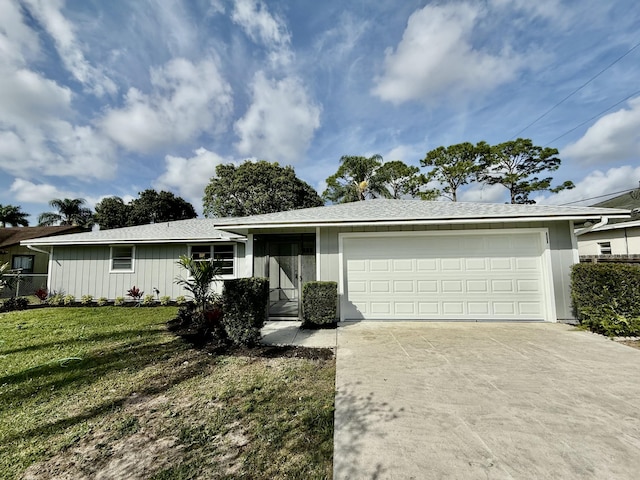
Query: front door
{"points": [[291, 262]]}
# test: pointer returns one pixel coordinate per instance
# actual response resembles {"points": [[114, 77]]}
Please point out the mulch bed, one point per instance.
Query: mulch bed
{"points": [[204, 340]]}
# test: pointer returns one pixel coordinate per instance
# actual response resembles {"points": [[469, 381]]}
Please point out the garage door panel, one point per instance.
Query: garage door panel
{"points": [[476, 276]]}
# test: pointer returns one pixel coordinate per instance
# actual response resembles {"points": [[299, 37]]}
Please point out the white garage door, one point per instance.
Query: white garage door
{"points": [[478, 276]]}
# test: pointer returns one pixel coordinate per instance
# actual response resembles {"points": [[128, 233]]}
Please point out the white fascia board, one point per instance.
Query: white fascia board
{"points": [[132, 241], [614, 226], [441, 221]]}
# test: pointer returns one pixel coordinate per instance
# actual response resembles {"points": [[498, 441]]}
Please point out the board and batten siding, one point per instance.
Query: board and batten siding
{"points": [[85, 270], [562, 252]]}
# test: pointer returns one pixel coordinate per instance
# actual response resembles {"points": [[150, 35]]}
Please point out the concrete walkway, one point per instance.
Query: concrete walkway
{"points": [[484, 401], [279, 332]]}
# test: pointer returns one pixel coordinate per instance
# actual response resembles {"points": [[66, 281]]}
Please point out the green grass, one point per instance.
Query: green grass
{"points": [[84, 390]]}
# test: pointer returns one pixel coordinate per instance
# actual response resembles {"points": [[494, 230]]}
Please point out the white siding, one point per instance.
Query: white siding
{"points": [[82, 270]]}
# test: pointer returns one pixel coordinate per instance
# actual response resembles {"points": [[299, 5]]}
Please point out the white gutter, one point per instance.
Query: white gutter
{"points": [[35, 249], [603, 221]]}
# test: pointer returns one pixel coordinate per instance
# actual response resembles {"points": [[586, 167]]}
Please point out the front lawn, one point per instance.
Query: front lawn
{"points": [[109, 392]]}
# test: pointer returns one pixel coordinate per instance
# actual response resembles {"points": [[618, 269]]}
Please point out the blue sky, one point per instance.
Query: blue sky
{"points": [[101, 98]]}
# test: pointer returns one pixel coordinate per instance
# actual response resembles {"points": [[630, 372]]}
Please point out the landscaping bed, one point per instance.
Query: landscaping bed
{"points": [[110, 392]]}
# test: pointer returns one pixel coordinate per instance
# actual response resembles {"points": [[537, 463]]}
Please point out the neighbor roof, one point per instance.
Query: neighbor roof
{"points": [[614, 226], [180, 231], [381, 211], [14, 235]]}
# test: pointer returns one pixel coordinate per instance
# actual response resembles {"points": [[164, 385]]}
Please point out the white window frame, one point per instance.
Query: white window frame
{"points": [[211, 253], [604, 248], [133, 259]]}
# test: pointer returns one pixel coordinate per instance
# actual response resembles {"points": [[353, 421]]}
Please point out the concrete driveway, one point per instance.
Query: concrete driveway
{"points": [[484, 400]]}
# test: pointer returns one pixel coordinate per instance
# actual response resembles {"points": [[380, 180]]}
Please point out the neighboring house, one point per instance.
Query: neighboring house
{"points": [[32, 264], [392, 259], [610, 242]]}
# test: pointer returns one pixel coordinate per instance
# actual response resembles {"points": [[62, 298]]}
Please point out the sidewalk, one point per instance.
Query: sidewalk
{"points": [[284, 332]]}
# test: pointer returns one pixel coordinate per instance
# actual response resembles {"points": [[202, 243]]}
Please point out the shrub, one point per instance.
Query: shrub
{"points": [[68, 299], [102, 301], [14, 303], [606, 297], [55, 299], [118, 301], [86, 299], [148, 300], [135, 293], [164, 300], [319, 303], [42, 294], [245, 302], [181, 300]]}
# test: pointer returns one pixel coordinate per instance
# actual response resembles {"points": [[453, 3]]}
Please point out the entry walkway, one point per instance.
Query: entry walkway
{"points": [[420, 400], [280, 332]]}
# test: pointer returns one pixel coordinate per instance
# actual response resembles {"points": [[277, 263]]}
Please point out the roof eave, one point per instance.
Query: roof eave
{"points": [[367, 223], [130, 241]]}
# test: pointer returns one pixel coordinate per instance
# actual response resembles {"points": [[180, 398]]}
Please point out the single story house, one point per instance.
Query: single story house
{"points": [[610, 242], [392, 259], [32, 264]]}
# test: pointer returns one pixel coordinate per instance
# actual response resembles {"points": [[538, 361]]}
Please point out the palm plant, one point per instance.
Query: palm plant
{"points": [[70, 212], [201, 275], [13, 215]]}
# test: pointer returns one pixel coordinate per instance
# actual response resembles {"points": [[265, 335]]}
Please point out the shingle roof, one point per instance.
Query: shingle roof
{"points": [[396, 211], [180, 231], [370, 212], [14, 235]]}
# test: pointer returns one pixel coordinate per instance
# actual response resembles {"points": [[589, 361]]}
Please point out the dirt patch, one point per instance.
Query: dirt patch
{"points": [[631, 343], [132, 449]]}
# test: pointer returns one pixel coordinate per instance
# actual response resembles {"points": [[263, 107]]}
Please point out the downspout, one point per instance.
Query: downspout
{"points": [[39, 250], [603, 221]]}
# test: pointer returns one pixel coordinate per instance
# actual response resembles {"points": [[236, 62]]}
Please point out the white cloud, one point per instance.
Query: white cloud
{"points": [[264, 28], [547, 9], [614, 137], [436, 56], [26, 191], [595, 184], [480, 192], [281, 121], [49, 14], [190, 176], [187, 100], [16, 39]]}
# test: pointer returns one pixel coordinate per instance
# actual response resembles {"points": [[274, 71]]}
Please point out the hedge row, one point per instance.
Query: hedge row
{"points": [[606, 297]]}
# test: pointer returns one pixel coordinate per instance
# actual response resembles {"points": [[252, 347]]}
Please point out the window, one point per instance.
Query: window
{"points": [[605, 248], [122, 258], [24, 263], [223, 254]]}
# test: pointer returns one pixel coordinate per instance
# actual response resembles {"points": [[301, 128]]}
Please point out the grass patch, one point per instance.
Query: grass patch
{"points": [[90, 390]]}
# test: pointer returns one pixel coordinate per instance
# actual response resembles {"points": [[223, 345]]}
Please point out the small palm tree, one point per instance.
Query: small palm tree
{"points": [[202, 273], [70, 212], [13, 215]]}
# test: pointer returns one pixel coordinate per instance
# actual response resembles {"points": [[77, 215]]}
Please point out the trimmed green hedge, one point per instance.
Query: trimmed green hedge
{"points": [[606, 297], [319, 303], [245, 302]]}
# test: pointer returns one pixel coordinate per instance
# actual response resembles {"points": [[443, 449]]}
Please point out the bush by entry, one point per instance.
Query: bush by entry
{"points": [[319, 304]]}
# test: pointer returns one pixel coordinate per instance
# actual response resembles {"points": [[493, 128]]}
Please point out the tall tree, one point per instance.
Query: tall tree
{"points": [[112, 212], [516, 164], [149, 207], [156, 207], [13, 215], [70, 212], [402, 180], [254, 188], [455, 166], [356, 180]]}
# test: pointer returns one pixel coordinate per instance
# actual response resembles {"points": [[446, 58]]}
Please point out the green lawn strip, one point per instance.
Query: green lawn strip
{"points": [[74, 376]]}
